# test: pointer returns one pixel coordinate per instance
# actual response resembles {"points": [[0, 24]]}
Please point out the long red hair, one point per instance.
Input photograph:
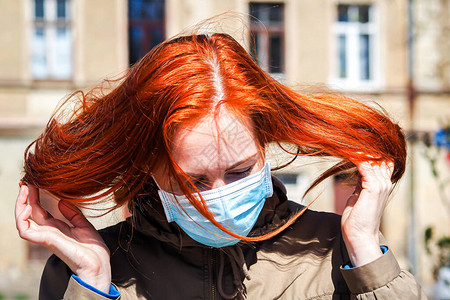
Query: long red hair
{"points": [[111, 142]]}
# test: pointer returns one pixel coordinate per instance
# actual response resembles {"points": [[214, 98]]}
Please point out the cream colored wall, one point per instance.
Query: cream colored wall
{"points": [[183, 17], [13, 252], [309, 35], [17, 275], [100, 50], [100, 45], [13, 40], [429, 207], [393, 44], [13, 101], [432, 70]]}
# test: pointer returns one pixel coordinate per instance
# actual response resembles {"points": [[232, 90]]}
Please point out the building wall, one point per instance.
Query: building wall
{"points": [[12, 65], [100, 50], [100, 40]]}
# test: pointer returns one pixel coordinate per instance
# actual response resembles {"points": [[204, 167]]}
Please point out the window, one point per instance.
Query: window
{"points": [[146, 27], [356, 42], [267, 35], [287, 178], [296, 184], [51, 51]]}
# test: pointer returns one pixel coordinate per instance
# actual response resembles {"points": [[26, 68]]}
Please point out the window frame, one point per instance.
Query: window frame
{"points": [[50, 24], [264, 30], [147, 25], [352, 31]]}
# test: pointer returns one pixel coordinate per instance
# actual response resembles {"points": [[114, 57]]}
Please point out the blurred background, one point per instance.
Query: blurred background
{"points": [[394, 52]]}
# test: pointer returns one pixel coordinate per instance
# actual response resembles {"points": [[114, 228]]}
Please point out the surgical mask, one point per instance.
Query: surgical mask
{"points": [[236, 206]]}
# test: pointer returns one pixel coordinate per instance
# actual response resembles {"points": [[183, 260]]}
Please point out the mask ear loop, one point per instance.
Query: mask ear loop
{"points": [[156, 182]]}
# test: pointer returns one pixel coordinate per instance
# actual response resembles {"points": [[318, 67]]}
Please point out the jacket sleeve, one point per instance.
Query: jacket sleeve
{"points": [[382, 279], [79, 292], [57, 283]]}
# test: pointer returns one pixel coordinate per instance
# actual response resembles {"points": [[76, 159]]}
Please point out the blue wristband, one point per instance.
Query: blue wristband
{"points": [[113, 292], [349, 265]]}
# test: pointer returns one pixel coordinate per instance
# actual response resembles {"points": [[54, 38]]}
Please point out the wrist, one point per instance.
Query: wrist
{"points": [[363, 251], [100, 280], [113, 292]]}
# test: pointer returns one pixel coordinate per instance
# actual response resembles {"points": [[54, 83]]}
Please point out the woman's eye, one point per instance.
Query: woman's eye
{"points": [[244, 172], [200, 184]]}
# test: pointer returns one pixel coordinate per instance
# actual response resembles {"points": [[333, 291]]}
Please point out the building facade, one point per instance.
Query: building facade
{"points": [[51, 48]]}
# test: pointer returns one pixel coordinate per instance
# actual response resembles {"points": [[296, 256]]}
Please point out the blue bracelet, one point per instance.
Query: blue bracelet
{"points": [[113, 292], [349, 265]]}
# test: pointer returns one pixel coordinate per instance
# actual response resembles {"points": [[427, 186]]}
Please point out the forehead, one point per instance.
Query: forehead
{"points": [[213, 143]]}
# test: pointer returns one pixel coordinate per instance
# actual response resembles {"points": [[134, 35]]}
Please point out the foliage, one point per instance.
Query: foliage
{"points": [[435, 146], [439, 249]]}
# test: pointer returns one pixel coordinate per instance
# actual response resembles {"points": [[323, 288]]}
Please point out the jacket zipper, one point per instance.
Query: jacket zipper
{"points": [[212, 275]]}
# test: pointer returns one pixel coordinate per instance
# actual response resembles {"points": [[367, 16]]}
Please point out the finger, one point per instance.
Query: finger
{"points": [[381, 180], [366, 170], [22, 222], [73, 214], [27, 228], [382, 170], [355, 196], [35, 233], [372, 179], [390, 169], [379, 171], [383, 175], [21, 201], [39, 214], [373, 170]]}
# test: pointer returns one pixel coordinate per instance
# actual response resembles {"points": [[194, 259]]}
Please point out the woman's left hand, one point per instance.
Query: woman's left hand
{"points": [[361, 218]]}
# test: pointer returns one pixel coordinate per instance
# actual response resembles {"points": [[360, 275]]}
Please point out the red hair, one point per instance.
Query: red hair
{"points": [[111, 143]]}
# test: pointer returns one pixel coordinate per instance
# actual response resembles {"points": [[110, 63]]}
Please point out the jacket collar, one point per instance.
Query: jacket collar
{"points": [[150, 220]]}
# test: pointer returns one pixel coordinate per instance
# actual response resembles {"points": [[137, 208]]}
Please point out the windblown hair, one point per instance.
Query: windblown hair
{"points": [[111, 142]]}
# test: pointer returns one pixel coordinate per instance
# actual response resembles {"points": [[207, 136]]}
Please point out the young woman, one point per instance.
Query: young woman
{"points": [[182, 140]]}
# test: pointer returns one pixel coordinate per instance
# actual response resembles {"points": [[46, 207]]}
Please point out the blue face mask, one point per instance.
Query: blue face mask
{"points": [[236, 206]]}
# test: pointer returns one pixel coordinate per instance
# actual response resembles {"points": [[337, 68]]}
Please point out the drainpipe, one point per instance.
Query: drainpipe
{"points": [[411, 98]]}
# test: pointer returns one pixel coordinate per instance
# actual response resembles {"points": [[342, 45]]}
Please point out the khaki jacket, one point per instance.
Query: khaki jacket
{"points": [[152, 259]]}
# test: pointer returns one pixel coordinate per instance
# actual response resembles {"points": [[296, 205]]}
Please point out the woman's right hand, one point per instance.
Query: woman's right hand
{"points": [[80, 247]]}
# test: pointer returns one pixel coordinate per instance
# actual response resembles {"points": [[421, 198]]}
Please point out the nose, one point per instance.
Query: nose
{"points": [[218, 183]]}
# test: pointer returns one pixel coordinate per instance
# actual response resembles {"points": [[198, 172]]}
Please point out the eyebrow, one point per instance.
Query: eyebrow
{"points": [[229, 168]]}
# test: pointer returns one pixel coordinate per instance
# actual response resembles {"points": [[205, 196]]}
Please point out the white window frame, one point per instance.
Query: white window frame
{"points": [[263, 55], [352, 31], [49, 24]]}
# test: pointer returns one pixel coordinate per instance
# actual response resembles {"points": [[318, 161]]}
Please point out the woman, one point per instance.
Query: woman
{"points": [[181, 139]]}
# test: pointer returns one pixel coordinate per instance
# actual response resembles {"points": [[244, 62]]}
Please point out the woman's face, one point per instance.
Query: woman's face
{"points": [[213, 153]]}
